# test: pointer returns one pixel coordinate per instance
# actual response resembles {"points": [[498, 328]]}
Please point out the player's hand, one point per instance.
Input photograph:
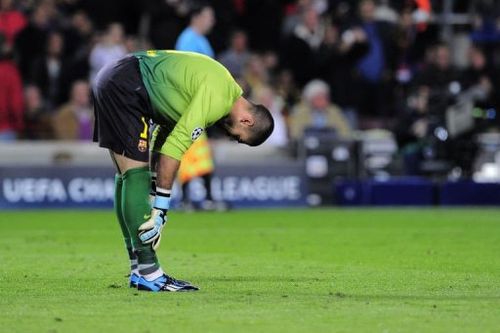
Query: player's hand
{"points": [[150, 231]]}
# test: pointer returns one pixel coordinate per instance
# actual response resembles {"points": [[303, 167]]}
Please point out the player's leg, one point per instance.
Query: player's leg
{"points": [[136, 208], [134, 272]]}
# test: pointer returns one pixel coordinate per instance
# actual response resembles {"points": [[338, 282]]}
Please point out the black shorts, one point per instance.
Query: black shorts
{"points": [[122, 109]]}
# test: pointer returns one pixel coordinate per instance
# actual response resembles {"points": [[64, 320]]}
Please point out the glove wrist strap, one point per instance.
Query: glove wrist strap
{"points": [[162, 199]]}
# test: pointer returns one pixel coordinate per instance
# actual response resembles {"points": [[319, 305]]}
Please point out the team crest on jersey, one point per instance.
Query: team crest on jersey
{"points": [[142, 146], [196, 133]]}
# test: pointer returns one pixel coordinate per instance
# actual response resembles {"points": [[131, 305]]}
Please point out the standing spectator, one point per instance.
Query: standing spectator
{"points": [[50, 72], [11, 22], [236, 57], [109, 49], [300, 51], [373, 99], [167, 19], [193, 37], [316, 111], [36, 116], [11, 97], [32, 40], [337, 59], [77, 45], [74, 120]]}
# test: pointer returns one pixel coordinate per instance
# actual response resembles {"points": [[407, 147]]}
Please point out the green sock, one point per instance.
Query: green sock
{"points": [[119, 214], [135, 207]]}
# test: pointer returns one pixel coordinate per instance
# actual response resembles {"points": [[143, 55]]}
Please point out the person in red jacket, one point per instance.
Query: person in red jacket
{"points": [[11, 97], [11, 21]]}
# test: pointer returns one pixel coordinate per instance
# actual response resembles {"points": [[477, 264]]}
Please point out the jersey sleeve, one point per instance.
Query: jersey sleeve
{"points": [[205, 108]]}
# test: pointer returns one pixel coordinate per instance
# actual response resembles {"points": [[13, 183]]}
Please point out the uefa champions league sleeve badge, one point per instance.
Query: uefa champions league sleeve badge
{"points": [[196, 133]]}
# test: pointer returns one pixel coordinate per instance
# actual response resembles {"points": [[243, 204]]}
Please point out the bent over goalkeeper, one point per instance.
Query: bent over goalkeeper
{"points": [[183, 93]]}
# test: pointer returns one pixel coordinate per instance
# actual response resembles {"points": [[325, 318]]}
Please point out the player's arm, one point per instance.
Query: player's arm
{"points": [[171, 148]]}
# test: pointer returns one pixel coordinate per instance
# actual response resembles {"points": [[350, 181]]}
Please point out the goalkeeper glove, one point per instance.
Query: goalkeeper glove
{"points": [[150, 231]]}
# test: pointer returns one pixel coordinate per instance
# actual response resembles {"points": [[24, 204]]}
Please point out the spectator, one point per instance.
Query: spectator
{"points": [[167, 18], [11, 97], [287, 89], [266, 96], [132, 44], [372, 90], [32, 40], [337, 59], [74, 120], [316, 111], [413, 128], [50, 72], [110, 48], [300, 51], [36, 116], [77, 42], [12, 22], [193, 37], [385, 13], [478, 78], [440, 77], [255, 74], [236, 57]]}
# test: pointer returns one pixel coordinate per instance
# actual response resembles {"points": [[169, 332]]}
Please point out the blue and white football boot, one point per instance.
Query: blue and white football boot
{"points": [[165, 283], [134, 279]]}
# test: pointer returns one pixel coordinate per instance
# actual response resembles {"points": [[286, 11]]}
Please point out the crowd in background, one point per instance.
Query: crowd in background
{"points": [[341, 64]]}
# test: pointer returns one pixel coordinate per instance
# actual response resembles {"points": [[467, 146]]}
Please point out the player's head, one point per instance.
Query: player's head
{"points": [[248, 123]]}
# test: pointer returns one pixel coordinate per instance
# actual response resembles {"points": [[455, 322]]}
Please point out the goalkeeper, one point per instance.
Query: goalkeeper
{"points": [[183, 93]]}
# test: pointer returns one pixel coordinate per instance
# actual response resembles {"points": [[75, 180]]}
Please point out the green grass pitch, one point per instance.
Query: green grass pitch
{"points": [[390, 270]]}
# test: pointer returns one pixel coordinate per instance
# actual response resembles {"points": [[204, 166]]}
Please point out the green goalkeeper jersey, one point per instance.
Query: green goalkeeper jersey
{"points": [[189, 92]]}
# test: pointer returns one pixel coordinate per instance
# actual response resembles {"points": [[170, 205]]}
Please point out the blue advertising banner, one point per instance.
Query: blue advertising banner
{"points": [[93, 187]]}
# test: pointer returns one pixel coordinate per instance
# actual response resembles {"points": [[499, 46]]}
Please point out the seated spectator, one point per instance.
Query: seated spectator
{"points": [[37, 118], [50, 72], [255, 73], [412, 130], [266, 96], [318, 112], [441, 78], [11, 97], [287, 89], [110, 48], [74, 120], [236, 57], [478, 78]]}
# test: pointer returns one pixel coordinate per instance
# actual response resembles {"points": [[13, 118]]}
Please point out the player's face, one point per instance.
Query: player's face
{"points": [[235, 130]]}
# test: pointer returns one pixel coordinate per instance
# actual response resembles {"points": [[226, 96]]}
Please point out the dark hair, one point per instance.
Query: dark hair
{"points": [[263, 125], [196, 7]]}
